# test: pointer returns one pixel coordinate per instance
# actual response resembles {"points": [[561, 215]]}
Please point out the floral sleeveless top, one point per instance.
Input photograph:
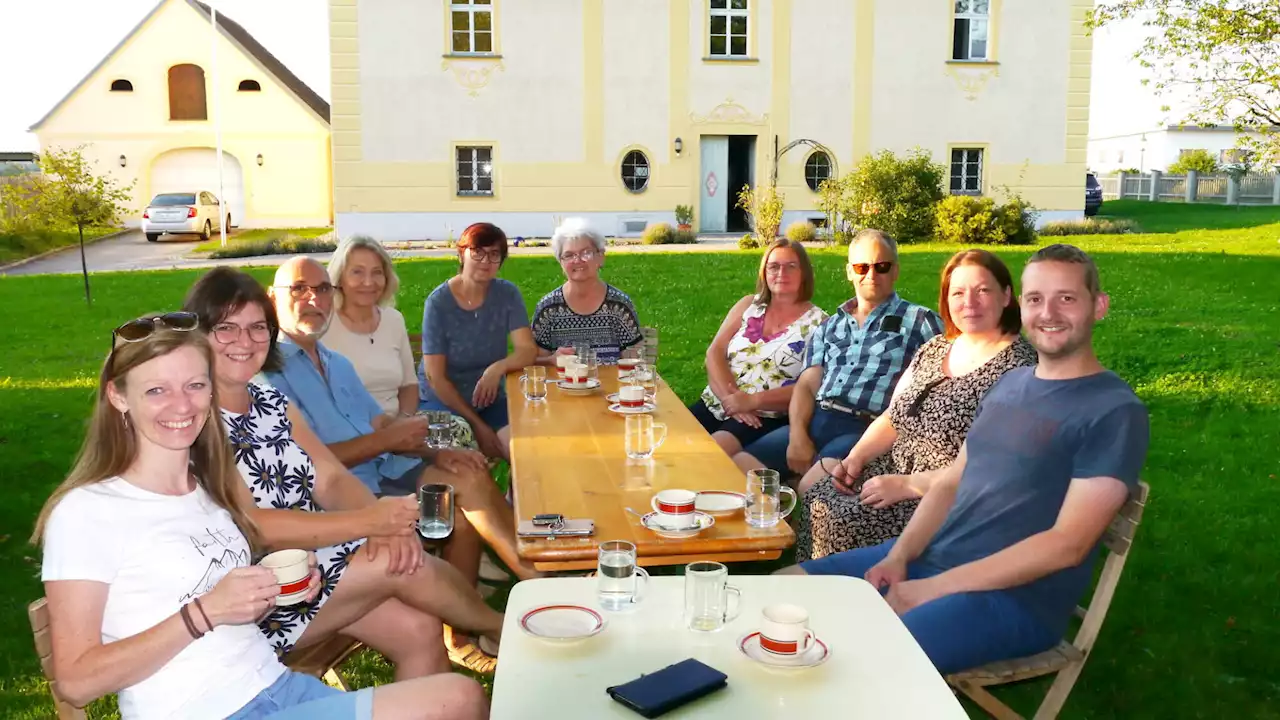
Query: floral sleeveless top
{"points": [[763, 363]]}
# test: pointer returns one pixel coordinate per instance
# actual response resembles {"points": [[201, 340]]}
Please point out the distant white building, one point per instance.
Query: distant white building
{"points": [[1160, 147]]}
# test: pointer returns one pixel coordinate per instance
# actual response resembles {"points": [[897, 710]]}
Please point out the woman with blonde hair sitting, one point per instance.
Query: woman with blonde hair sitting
{"points": [[148, 559]]}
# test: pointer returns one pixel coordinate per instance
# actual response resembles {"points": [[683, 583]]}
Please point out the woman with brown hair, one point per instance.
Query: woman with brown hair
{"points": [[148, 549], [756, 356], [868, 497], [466, 323]]}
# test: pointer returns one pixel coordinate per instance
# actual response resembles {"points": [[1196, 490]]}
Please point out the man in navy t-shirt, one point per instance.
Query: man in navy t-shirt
{"points": [[1002, 546]]}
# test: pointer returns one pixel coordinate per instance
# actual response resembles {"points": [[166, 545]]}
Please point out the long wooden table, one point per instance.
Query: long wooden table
{"points": [[567, 457]]}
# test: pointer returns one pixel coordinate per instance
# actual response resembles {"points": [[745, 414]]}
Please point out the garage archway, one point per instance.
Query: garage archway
{"points": [[195, 169]]}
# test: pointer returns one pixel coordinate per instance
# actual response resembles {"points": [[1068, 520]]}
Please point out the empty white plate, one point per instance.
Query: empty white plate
{"points": [[719, 501], [817, 654], [562, 623]]}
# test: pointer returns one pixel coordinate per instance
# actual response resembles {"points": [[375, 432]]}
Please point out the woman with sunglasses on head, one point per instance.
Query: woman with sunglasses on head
{"points": [[585, 310], [868, 497], [755, 358], [148, 548], [379, 587], [466, 323]]}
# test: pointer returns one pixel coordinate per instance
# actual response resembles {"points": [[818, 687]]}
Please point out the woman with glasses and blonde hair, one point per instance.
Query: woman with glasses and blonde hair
{"points": [[148, 559], [756, 356], [585, 310], [868, 497], [466, 324]]}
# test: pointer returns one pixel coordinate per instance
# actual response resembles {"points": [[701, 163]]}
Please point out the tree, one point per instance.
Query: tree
{"points": [[765, 204], [1223, 54], [896, 195], [67, 194], [1202, 161]]}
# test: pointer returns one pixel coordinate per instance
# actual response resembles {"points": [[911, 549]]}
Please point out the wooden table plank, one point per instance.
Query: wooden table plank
{"points": [[567, 457]]}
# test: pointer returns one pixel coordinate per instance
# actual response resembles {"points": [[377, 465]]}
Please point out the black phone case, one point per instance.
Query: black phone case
{"points": [[667, 689]]}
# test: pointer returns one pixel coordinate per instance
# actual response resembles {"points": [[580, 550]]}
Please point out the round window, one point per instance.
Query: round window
{"points": [[635, 171], [816, 170]]}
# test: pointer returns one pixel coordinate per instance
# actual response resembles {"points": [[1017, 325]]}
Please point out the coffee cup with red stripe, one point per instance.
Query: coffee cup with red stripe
{"points": [[576, 374], [631, 396], [675, 509], [564, 361], [293, 573], [784, 630]]}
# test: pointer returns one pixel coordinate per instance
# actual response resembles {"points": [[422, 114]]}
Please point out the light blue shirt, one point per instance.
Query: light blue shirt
{"points": [[336, 405]]}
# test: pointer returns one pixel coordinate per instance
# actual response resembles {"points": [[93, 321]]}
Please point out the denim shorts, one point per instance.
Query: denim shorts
{"points": [[295, 696], [833, 434]]}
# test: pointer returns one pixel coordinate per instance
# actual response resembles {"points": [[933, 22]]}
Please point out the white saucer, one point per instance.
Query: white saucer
{"points": [[817, 654], [591, 385], [702, 522], [719, 501], [646, 408], [561, 623], [615, 399]]}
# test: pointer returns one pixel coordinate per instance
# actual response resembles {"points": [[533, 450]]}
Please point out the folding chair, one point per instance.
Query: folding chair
{"points": [[650, 345], [38, 614], [1068, 658], [323, 660]]}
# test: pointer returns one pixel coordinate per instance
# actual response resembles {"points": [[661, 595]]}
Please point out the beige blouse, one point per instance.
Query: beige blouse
{"points": [[383, 359]]}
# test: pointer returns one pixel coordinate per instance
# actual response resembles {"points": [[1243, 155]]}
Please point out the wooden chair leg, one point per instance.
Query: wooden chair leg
{"points": [[988, 702], [333, 679], [1058, 692]]}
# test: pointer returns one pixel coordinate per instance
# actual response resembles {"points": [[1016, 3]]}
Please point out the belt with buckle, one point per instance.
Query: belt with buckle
{"points": [[840, 408]]}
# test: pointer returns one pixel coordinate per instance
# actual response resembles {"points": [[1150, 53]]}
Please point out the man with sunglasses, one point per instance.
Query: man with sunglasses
{"points": [[854, 360]]}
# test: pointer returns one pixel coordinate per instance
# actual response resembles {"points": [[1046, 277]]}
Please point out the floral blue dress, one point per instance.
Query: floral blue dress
{"points": [[281, 475]]}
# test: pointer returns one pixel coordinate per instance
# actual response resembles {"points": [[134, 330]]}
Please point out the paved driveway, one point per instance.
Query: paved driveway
{"points": [[130, 251]]}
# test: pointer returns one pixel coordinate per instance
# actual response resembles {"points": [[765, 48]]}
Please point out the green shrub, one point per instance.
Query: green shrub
{"points": [[286, 245], [684, 214], [968, 220], [842, 238], [896, 195], [685, 237], [765, 206], [1199, 160], [802, 231], [658, 234], [1091, 226], [748, 242], [1016, 222]]}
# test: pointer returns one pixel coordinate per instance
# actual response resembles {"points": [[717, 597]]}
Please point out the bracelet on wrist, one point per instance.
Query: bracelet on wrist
{"points": [[200, 607], [185, 614]]}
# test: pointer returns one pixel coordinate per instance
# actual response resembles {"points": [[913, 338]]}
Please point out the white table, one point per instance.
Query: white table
{"points": [[876, 669]]}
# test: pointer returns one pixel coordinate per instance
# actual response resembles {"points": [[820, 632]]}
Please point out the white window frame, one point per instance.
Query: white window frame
{"points": [[647, 167], [728, 12], [472, 8], [477, 170], [965, 11], [965, 162]]}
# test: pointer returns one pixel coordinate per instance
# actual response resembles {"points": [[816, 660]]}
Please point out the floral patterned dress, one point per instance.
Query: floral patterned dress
{"points": [[932, 416], [281, 475], [761, 363]]}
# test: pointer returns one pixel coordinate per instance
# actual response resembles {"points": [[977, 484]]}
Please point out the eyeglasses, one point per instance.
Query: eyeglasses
{"points": [[584, 256], [855, 485], [775, 268], [144, 327], [299, 290], [881, 267], [479, 255], [227, 333]]}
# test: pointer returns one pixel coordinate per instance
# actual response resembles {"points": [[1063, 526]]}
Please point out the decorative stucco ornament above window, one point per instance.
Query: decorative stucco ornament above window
{"points": [[472, 74], [972, 80], [729, 112]]}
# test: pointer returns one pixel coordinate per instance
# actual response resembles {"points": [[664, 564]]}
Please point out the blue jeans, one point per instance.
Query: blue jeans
{"points": [[495, 416], [958, 632], [833, 434], [301, 697]]}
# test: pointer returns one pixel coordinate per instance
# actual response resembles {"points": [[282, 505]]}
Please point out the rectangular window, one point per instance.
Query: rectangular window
{"points": [[729, 28], [1235, 156], [475, 171], [973, 22], [472, 23], [966, 171]]}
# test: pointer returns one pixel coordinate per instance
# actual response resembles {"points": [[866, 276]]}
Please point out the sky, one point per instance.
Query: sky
{"points": [[50, 45]]}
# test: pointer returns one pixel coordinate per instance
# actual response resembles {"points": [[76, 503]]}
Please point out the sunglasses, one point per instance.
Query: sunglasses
{"points": [[880, 267], [914, 408], [829, 464], [144, 327]]}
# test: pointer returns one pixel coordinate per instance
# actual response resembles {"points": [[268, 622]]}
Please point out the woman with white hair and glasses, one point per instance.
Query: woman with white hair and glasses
{"points": [[585, 310]]}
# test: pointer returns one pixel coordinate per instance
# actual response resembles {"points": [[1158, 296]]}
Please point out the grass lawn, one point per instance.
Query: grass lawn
{"points": [[1195, 328], [16, 246], [260, 235]]}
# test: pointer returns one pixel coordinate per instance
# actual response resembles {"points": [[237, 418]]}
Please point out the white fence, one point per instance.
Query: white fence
{"points": [[1251, 189]]}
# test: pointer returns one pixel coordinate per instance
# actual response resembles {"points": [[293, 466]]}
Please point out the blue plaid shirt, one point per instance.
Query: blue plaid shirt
{"points": [[861, 365]]}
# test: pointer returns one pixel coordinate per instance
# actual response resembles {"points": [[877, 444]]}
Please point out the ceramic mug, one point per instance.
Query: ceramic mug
{"points": [[784, 630], [675, 508], [631, 396], [563, 361], [576, 374], [293, 574]]}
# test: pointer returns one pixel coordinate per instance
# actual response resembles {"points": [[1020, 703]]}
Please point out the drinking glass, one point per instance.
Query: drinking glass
{"points": [[647, 376], [587, 356], [435, 511], [706, 596], [534, 383], [764, 498], [620, 583], [643, 436]]}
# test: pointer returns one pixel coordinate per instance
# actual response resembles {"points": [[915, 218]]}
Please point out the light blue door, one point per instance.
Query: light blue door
{"points": [[715, 193]]}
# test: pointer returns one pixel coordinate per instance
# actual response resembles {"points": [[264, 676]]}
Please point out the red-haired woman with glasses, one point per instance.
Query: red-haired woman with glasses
{"points": [[868, 497], [466, 323]]}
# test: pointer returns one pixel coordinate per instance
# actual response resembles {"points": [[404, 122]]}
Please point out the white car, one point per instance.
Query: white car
{"points": [[183, 213]]}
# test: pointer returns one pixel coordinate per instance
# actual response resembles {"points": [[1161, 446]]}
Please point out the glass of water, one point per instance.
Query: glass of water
{"points": [[440, 429], [764, 498], [620, 583], [706, 596], [643, 436], [534, 383], [435, 511], [587, 356]]}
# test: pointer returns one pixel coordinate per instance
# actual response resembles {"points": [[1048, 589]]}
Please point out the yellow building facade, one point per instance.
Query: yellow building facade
{"points": [[146, 114], [521, 112]]}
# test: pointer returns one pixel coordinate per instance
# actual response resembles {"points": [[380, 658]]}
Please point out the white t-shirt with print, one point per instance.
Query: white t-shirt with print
{"points": [[156, 553]]}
